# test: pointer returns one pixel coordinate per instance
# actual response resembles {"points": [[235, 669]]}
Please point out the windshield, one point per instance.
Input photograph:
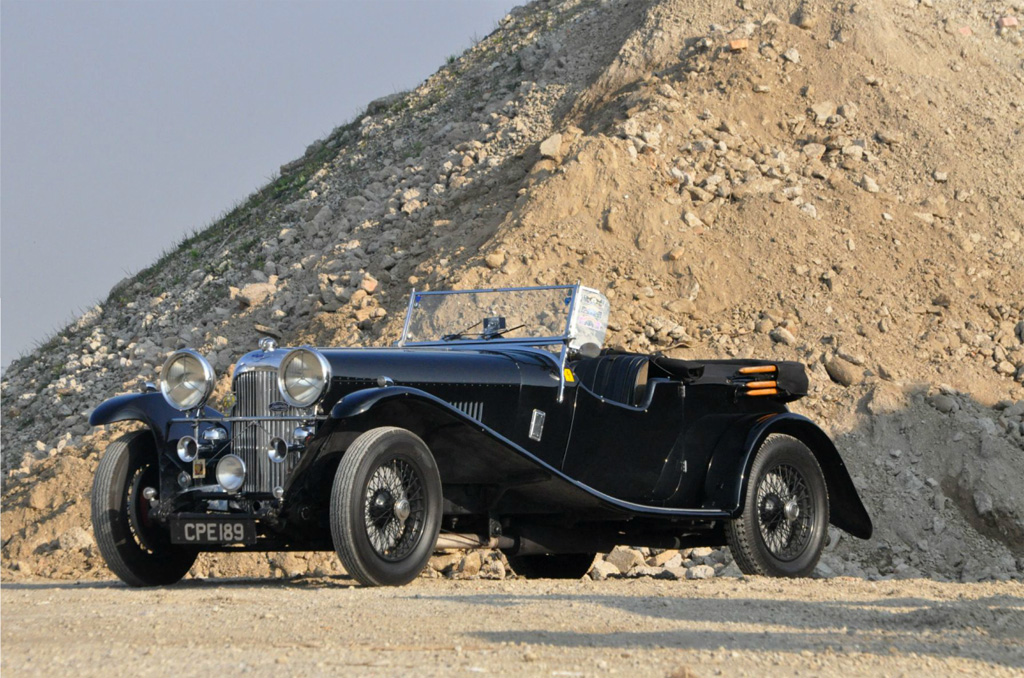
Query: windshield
{"points": [[572, 315], [533, 313]]}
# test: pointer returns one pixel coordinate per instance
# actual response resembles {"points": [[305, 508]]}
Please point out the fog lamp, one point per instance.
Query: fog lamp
{"points": [[231, 472]]}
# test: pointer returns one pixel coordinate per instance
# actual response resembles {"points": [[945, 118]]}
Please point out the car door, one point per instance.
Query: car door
{"points": [[630, 453]]}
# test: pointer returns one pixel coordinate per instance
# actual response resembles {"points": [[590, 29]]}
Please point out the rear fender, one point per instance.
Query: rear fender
{"points": [[152, 410], [731, 462]]}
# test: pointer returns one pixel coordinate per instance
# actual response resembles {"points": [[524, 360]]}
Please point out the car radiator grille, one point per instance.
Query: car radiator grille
{"points": [[254, 392]]}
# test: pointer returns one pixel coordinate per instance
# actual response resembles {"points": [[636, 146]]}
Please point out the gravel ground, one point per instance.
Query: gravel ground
{"points": [[323, 626]]}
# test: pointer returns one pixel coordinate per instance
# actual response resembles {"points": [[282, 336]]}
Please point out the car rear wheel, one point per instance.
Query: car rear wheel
{"points": [[782, 529], [554, 566], [386, 507], [135, 547]]}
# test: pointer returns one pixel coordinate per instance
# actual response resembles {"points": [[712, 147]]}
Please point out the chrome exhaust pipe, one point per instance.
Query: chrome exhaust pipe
{"points": [[453, 540]]}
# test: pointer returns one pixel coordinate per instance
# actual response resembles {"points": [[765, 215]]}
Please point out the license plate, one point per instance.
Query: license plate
{"points": [[199, 531]]}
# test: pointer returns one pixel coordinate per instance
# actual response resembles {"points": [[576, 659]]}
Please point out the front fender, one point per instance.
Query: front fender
{"points": [[441, 427], [361, 402], [149, 408], [731, 462]]}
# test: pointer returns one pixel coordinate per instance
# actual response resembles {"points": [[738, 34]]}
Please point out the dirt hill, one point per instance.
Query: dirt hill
{"points": [[840, 184]]}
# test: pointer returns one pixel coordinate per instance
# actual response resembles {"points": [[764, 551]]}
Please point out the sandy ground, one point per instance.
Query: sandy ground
{"points": [[327, 626]]}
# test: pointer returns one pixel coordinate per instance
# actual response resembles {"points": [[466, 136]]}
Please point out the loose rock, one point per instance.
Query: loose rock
{"points": [[843, 372]]}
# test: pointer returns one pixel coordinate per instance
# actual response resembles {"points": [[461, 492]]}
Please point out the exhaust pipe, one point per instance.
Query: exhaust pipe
{"points": [[451, 540]]}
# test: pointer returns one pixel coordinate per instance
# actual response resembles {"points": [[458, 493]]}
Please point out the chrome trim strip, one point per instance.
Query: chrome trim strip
{"points": [[561, 371], [259, 360], [498, 289], [211, 420], [515, 341], [203, 488]]}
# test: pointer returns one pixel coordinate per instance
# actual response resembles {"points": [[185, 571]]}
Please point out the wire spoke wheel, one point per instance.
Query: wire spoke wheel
{"points": [[137, 508], [784, 520], [394, 509], [785, 512], [135, 547], [386, 507]]}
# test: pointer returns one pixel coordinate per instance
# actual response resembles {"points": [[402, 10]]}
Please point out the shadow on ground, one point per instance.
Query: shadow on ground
{"points": [[991, 627]]}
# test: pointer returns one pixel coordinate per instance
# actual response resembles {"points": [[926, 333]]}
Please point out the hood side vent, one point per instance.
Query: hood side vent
{"points": [[471, 409]]}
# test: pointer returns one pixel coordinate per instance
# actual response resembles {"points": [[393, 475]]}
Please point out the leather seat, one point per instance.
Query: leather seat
{"points": [[620, 377]]}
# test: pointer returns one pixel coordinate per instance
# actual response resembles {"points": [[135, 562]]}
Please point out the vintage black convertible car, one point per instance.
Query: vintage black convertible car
{"points": [[495, 422]]}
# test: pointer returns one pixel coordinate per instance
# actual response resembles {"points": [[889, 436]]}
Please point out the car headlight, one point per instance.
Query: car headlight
{"points": [[303, 377], [187, 380], [231, 472]]}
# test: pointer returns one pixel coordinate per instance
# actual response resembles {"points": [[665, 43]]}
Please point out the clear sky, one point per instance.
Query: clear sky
{"points": [[125, 124]]}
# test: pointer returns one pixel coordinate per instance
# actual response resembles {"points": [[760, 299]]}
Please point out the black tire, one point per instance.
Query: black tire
{"points": [[784, 522], [554, 566], [375, 545], [136, 549]]}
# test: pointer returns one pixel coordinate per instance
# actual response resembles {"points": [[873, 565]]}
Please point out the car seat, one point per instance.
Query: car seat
{"points": [[621, 377]]}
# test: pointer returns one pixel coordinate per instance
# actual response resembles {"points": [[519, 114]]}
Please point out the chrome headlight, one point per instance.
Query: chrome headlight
{"points": [[303, 377], [187, 380], [231, 472]]}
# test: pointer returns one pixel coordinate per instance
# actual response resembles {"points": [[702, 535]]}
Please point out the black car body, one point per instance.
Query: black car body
{"points": [[528, 439]]}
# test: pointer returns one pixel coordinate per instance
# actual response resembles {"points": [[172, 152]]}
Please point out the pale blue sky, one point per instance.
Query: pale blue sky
{"points": [[124, 125]]}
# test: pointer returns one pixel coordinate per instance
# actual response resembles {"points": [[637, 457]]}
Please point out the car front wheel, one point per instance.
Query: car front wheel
{"points": [[386, 507], [135, 547], [782, 529]]}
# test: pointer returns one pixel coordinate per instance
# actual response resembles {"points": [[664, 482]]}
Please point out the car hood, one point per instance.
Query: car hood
{"points": [[463, 365], [423, 366]]}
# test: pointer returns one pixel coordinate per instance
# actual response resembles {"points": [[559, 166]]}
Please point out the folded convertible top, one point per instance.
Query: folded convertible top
{"points": [[784, 380]]}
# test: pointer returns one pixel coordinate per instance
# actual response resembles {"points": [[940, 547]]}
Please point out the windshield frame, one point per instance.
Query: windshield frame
{"points": [[563, 338]]}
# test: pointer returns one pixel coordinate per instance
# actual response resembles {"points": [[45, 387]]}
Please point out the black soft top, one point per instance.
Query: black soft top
{"points": [[791, 376]]}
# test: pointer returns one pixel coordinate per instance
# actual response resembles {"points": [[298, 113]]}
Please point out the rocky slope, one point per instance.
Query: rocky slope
{"points": [[834, 183]]}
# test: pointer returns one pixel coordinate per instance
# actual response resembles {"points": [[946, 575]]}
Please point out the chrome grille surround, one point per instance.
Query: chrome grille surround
{"points": [[255, 390]]}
